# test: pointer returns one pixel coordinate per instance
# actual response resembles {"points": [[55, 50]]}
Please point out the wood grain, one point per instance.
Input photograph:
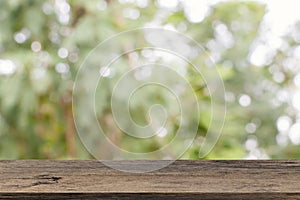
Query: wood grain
{"points": [[32, 179]]}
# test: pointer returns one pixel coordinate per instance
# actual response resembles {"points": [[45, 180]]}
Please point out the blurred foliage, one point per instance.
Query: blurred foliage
{"points": [[43, 43]]}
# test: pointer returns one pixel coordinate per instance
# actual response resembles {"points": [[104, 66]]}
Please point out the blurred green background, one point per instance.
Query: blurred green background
{"points": [[43, 43]]}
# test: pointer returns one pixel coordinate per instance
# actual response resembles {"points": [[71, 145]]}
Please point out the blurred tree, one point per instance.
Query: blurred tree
{"points": [[42, 44]]}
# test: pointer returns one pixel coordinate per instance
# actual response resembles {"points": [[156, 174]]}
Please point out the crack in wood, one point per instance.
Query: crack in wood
{"points": [[43, 179], [48, 177]]}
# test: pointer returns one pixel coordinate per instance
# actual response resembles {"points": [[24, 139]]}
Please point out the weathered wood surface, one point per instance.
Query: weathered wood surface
{"points": [[182, 180]]}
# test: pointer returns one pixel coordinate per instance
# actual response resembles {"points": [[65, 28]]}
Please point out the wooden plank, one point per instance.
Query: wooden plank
{"points": [[34, 179]]}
